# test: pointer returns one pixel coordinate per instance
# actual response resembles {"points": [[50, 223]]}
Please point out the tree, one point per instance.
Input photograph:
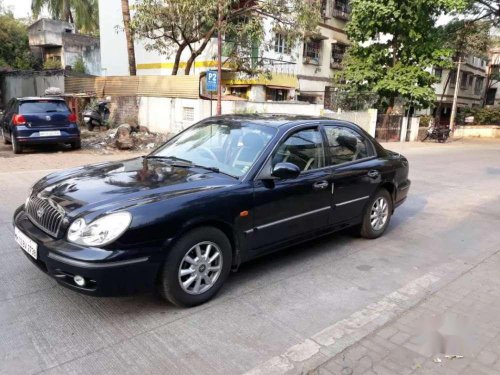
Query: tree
{"points": [[174, 26], [129, 37], [485, 10], [463, 38], [14, 48], [83, 13], [394, 43]]}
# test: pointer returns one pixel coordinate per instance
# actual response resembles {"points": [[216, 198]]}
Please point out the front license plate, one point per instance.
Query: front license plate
{"points": [[50, 133], [26, 243]]}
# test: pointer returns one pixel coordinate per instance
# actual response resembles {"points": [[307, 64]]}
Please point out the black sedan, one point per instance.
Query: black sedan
{"points": [[222, 192]]}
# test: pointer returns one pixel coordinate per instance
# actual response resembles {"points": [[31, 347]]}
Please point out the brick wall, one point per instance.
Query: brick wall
{"points": [[124, 109]]}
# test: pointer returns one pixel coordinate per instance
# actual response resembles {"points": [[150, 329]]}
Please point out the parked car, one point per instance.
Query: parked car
{"points": [[222, 192], [35, 121]]}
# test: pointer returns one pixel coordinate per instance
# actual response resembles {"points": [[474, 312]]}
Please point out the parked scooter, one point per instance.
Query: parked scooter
{"points": [[97, 114], [439, 134]]}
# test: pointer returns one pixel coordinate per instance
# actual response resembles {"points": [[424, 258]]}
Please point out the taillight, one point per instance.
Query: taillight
{"points": [[72, 118], [18, 120]]}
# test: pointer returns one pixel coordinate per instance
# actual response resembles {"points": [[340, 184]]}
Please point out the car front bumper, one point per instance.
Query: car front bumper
{"points": [[107, 272]]}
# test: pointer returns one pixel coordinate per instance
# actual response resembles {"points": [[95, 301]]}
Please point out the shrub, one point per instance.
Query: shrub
{"points": [[79, 66], [487, 116], [51, 64]]}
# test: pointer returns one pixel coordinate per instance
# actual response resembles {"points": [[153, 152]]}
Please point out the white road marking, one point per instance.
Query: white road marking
{"points": [[352, 326]]}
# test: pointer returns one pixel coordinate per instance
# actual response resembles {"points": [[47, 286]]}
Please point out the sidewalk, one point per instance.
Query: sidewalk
{"points": [[456, 330]]}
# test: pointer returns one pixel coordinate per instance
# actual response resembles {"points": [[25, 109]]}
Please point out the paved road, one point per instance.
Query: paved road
{"points": [[287, 312]]}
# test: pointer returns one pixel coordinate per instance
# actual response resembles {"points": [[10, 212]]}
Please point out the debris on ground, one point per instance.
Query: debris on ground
{"points": [[124, 137], [454, 356], [437, 360]]}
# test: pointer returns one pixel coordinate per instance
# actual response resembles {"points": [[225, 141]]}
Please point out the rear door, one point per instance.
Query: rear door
{"points": [[45, 113], [356, 171]]}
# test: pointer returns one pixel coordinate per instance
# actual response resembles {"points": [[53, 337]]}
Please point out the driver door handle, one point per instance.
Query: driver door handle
{"points": [[373, 173], [320, 185]]}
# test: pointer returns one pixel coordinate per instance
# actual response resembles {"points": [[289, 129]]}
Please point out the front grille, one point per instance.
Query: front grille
{"points": [[45, 215]]}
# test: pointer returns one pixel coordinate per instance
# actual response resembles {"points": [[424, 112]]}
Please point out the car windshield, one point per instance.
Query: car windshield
{"points": [[43, 106], [231, 147]]}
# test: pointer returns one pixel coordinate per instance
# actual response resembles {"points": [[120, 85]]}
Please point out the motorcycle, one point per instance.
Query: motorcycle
{"points": [[97, 114], [439, 134]]}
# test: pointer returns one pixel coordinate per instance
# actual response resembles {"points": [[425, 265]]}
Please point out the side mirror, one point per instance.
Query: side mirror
{"points": [[285, 171]]}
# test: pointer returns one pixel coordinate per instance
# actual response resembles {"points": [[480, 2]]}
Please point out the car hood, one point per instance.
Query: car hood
{"points": [[124, 184]]}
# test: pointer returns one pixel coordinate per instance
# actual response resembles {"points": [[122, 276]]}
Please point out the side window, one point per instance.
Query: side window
{"points": [[346, 145], [304, 149]]}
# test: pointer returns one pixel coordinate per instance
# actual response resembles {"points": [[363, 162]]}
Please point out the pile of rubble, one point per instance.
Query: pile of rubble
{"points": [[124, 137]]}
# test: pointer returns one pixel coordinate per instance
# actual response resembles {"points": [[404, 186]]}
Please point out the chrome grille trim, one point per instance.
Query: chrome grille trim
{"points": [[51, 219]]}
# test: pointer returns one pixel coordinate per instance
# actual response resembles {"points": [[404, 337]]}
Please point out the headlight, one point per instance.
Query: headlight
{"points": [[100, 232]]}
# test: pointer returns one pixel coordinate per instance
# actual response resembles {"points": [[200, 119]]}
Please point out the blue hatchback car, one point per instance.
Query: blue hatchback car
{"points": [[34, 121]]}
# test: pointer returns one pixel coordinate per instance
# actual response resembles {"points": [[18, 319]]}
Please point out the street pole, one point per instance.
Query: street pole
{"points": [[455, 97], [219, 62]]}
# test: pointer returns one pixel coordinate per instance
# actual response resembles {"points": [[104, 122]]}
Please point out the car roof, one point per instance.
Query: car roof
{"points": [[35, 98], [276, 119]]}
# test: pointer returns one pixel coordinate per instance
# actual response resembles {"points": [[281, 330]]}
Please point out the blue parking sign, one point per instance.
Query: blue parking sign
{"points": [[212, 80]]}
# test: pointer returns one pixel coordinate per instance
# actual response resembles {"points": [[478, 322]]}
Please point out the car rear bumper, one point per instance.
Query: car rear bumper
{"points": [[27, 135], [107, 272], [402, 193]]}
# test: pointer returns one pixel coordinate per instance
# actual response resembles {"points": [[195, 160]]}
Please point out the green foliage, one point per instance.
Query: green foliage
{"points": [[83, 13], [14, 48], [79, 66], [170, 26], [482, 116], [484, 10], [466, 38], [51, 64], [394, 42]]}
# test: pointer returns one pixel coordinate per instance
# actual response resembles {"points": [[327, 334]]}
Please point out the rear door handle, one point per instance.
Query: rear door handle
{"points": [[373, 173], [320, 185]]}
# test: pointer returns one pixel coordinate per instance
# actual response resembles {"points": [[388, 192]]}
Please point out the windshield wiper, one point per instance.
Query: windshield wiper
{"points": [[188, 164]]}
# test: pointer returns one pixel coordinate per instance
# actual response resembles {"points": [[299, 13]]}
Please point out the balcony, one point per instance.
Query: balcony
{"points": [[340, 13]]}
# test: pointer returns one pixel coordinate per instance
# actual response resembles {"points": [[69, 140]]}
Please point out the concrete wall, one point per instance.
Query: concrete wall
{"points": [[365, 119], [30, 84], [170, 115], [478, 131]]}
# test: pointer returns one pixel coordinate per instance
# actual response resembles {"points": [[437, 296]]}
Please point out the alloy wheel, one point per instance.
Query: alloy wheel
{"points": [[200, 268], [379, 213]]}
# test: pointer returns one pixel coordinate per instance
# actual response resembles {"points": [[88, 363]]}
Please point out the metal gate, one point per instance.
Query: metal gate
{"points": [[388, 128]]}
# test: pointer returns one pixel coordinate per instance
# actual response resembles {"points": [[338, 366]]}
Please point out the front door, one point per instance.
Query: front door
{"points": [[356, 172], [285, 210]]}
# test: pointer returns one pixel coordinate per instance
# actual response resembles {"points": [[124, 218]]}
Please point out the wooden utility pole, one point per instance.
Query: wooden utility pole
{"points": [[219, 61]]}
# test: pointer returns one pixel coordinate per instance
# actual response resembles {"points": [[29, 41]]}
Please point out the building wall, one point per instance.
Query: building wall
{"points": [[312, 78], [21, 84], [494, 64]]}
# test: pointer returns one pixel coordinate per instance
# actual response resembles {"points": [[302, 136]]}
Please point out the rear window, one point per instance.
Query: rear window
{"points": [[43, 106]]}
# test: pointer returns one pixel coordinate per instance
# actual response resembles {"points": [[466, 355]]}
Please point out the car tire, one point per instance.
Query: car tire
{"points": [[180, 268], [377, 215], [76, 145], [16, 147]]}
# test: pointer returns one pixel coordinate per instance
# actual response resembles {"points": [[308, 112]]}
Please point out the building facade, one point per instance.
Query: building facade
{"points": [[493, 89], [471, 85], [59, 41], [298, 72]]}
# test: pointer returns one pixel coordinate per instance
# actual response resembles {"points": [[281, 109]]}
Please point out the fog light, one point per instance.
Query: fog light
{"points": [[79, 280]]}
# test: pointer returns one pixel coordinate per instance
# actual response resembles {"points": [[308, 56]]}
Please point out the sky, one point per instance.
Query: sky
{"points": [[21, 8]]}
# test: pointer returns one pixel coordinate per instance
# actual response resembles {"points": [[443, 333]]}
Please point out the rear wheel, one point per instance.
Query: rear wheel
{"points": [[16, 147], [76, 145], [90, 126], [196, 267], [377, 215]]}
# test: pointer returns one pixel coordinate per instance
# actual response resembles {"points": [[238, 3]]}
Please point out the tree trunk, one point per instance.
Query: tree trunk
{"points": [[195, 54], [129, 37], [177, 58]]}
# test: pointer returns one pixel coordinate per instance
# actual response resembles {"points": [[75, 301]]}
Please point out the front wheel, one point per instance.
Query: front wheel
{"points": [[377, 215], [196, 267]]}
